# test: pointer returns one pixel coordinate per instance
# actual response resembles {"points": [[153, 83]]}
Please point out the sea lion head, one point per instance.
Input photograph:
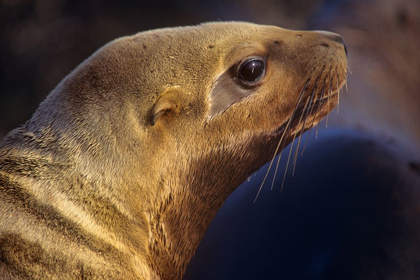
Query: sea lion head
{"points": [[169, 122]]}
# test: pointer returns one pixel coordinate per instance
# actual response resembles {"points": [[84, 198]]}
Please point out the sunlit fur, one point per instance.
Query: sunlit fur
{"points": [[120, 171]]}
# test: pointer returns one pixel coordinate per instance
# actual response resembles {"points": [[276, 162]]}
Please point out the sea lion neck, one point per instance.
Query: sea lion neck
{"points": [[192, 196]]}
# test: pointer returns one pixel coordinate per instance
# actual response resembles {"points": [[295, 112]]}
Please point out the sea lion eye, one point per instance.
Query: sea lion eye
{"points": [[251, 70]]}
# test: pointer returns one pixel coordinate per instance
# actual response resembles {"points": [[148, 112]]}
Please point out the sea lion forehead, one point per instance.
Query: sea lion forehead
{"points": [[194, 51], [216, 36], [240, 30]]}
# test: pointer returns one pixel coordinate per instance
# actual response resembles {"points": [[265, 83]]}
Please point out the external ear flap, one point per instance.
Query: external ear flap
{"points": [[167, 102]]}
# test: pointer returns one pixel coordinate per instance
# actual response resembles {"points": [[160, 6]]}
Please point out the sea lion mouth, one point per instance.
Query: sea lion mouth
{"points": [[316, 99], [313, 104], [311, 111], [306, 114]]}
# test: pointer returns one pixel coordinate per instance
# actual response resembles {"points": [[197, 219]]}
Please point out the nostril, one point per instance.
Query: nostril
{"points": [[337, 38], [333, 37], [340, 40]]}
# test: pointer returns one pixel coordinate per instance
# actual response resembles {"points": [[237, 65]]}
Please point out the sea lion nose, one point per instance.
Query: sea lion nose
{"points": [[333, 37]]}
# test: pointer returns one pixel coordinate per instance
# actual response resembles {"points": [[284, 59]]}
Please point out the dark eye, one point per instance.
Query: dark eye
{"points": [[251, 71]]}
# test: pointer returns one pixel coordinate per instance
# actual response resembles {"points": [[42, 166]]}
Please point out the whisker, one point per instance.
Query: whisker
{"points": [[291, 148], [328, 98], [281, 139], [294, 137], [297, 152], [287, 164], [312, 123], [331, 93], [306, 141], [297, 148], [345, 84], [317, 125], [275, 171], [307, 110], [348, 68], [316, 133], [338, 92]]}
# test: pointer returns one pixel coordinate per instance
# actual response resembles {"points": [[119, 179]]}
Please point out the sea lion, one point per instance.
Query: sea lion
{"points": [[123, 166]]}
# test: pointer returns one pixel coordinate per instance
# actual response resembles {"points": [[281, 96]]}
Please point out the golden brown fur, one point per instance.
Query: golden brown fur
{"points": [[121, 169]]}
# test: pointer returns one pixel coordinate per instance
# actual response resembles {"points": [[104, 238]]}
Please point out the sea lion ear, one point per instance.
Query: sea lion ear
{"points": [[167, 103]]}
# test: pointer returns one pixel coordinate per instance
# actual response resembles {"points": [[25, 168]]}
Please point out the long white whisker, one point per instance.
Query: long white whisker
{"points": [[281, 139]]}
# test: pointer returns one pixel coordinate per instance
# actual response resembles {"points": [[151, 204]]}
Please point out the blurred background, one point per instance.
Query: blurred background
{"points": [[352, 209]]}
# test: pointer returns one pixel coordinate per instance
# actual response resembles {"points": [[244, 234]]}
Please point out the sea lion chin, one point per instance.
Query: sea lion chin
{"points": [[122, 168]]}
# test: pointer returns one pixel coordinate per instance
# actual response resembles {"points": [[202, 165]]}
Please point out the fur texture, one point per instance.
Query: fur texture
{"points": [[122, 168]]}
